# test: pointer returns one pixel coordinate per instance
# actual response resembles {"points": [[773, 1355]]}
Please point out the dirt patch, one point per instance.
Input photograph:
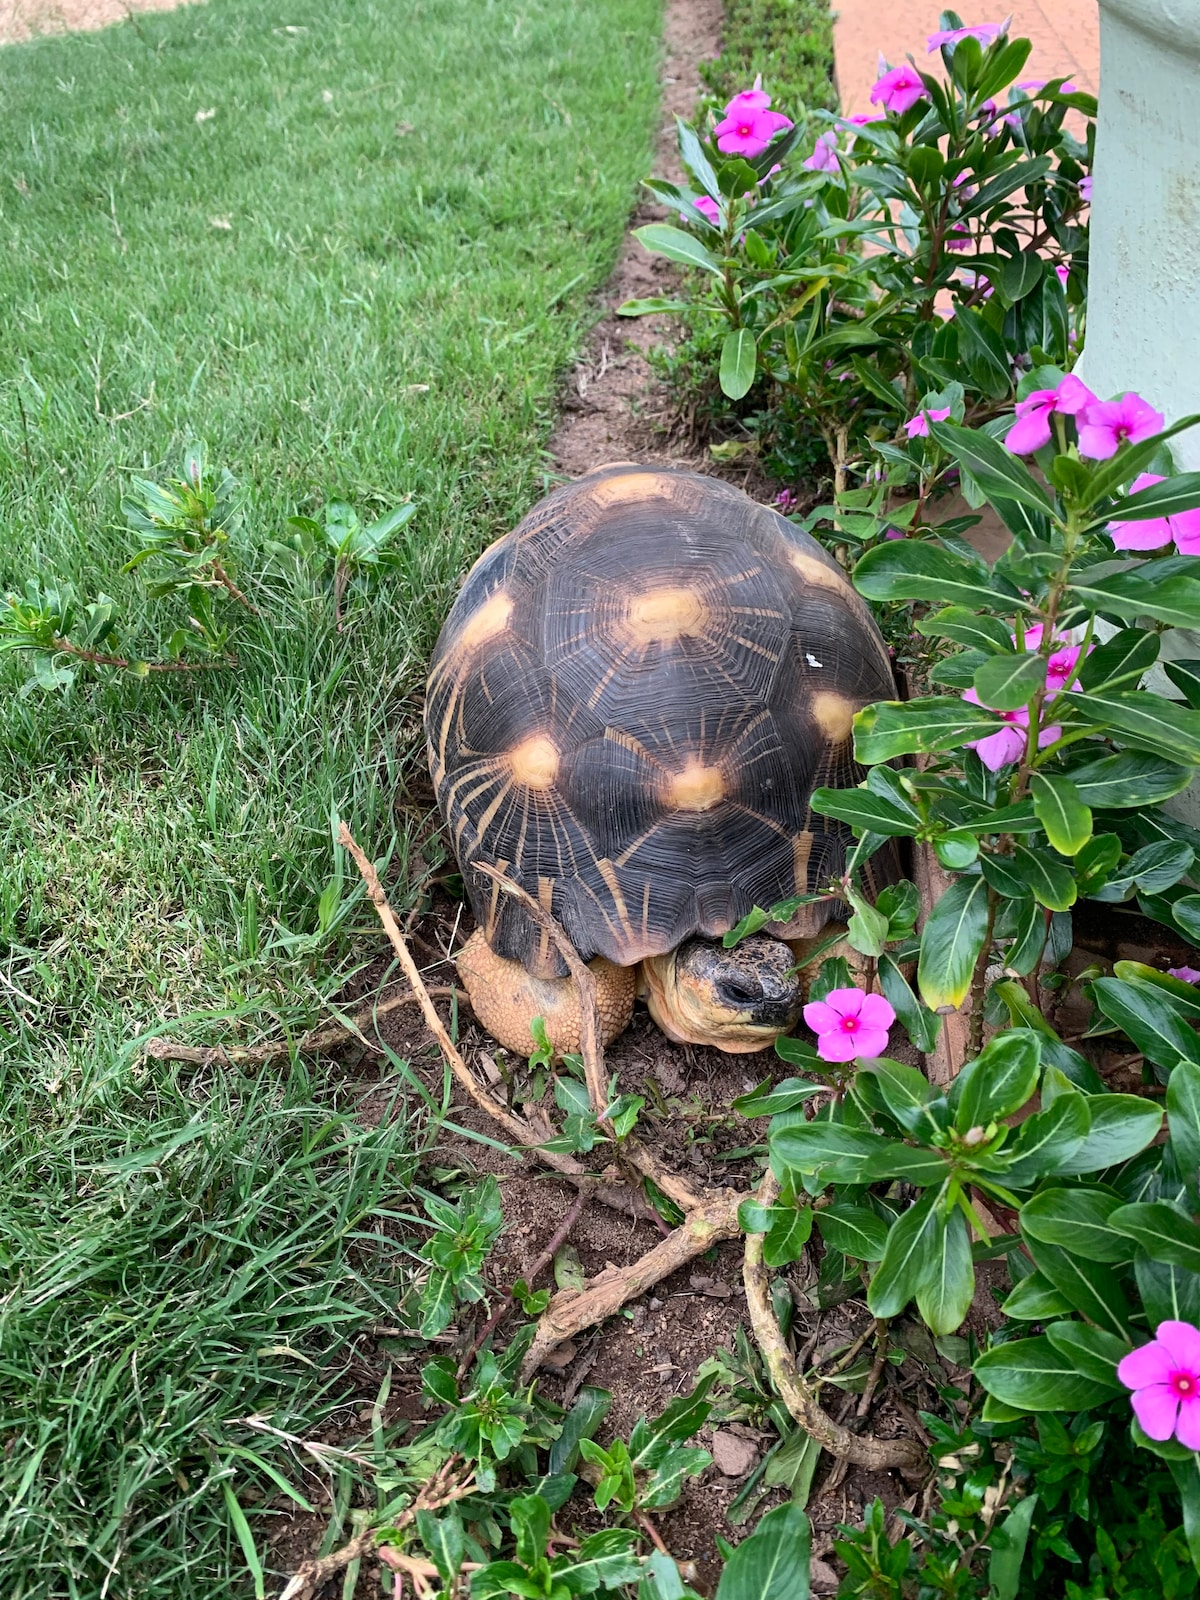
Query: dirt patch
{"points": [[27, 19]]}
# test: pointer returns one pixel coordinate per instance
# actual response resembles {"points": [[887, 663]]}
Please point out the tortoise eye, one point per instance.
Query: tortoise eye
{"points": [[741, 991]]}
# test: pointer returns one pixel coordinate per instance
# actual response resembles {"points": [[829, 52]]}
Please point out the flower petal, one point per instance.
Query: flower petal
{"points": [[1187, 1428], [876, 1012], [820, 1017], [1147, 535], [838, 1046], [1182, 1341], [1000, 749], [1097, 441], [1149, 1363], [869, 1042], [1156, 1409], [1029, 433], [846, 1002]]}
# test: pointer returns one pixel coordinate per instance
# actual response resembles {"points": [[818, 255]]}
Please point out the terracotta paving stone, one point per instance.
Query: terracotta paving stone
{"points": [[1065, 34]]}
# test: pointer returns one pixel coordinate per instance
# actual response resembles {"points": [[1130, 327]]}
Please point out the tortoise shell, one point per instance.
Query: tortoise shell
{"points": [[631, 701]]}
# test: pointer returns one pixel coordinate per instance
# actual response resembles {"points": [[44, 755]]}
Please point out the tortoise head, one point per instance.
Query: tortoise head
{"points": [[737, 1000]]}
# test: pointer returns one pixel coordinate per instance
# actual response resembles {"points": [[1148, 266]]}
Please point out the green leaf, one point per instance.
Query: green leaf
{"points": [[1006, 682], [864, 810], [982, 351], [581, 1422], [660, 239], [1032, 1375], [1009, 1539], [891, 728], [1093, 1352], [1096, 862], [951, 942], [1186, 913], [994, 469], [773, 1563], [1146, 1013], [999, 1081], [1187, 1480], [917, 1020], [1185, 675], [1035, 1299], [245, 1538], [853, 1230], [680, 1420], [603, 1560], [1054, 1052], [1030, 931], [1052, 882], [1124, 658], [1067, 821], [530, 1523], [739, 361], [1147, 591], [912, 1241], [1122, 1126], [912, 569], [827, 1147], [437, 1304], [696, 162], [1077, 1220], [769, 1099], [1183, 1122], [1129, 780], [1165, 499], [1163, 1230], [1048, 1140], [651, 306], [1092, 1288], [790, 1230], [963, 626], [906, 1094], [922, 1166], [1169, 1294], [947, 1283], [666, 1482]]}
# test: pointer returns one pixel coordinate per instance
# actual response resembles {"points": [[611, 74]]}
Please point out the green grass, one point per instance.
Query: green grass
{"points": [[789, 41], [420, 199]]}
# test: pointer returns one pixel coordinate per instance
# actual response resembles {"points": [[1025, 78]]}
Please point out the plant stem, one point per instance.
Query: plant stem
{"points": [[97, 658], [227, 583]]}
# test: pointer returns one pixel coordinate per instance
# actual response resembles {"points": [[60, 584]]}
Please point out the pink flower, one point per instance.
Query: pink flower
{"points": [[1032, 85], [1184, 974], [1106, 424], [1007, 744], [1062, 273], [748, 132], [985, 32], [825, 156], [959, 237], [1062, 663], [1183, 527], [860, 119], [918, 427], [899, 89], [850, 1024], [708, 209], [971, 279], [892, 533], [786, 499], [1031, 430], [1165, 1378], [756, 99], [1085, 188]]}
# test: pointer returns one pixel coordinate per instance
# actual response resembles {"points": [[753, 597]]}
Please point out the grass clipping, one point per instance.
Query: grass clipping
{"points": [[709, 1215]]}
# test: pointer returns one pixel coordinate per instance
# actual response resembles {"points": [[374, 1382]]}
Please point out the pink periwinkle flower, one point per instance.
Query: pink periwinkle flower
{"points": [[1062, 662], [899, 89], [918, 427], [971, 279], [860, 119], [708, 209], [850, 1024], [1032, 85], [892, 533], [1031, 430], [1183, 527], [1007, 744], [959, 237], [786, 499], [825, 156], [1085, 188], [1062, 272], [1107, 424], [1184, 974], [748, 129], [985, 32], [1165, 1378]]}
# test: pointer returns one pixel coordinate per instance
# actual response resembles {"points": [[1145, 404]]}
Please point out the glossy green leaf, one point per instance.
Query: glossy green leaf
{"points": [[1035, 1299], [891, 728], [911, 1242], [1163, 1230], [1067, 821], [913, 569], [1009, 1540], [695, 160], [790, 1231], [1031, 928], [951, 942], [1128, 780], [1032, 1375], [1185, 675], [1093, 1352], [739, 362], [1077, 1220], [1146, 1013], [999, 1081], [1054, 1052], [585, 1416], [921, 1166], [1166, 499], [825, 1147], [1169, 1294], [660, 239], [994, 469], [768, 1099], [1091, 1287], [1144, 720], [1123, 659], [947, 1282], [1122, 1126], [1183, 1123], [1051, 881], [853, 1230], [1186, 913], [773, 1563], [1096, 862], [962, 625], [921, 1025], [863, 810], [1048, 1140], [1006, 682], [1164, 590], [905, 1093]]}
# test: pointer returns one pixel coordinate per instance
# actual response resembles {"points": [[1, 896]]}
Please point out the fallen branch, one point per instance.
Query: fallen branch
{"points": [[448, 1483], [572, 1310], [162, 1049], [863, 1450]]}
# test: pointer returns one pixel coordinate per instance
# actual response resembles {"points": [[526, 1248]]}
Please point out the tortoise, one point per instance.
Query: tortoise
{"points": [[633, 697]]}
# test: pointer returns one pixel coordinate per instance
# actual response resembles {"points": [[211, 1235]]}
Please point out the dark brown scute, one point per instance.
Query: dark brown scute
{"points": [[631, 701]]}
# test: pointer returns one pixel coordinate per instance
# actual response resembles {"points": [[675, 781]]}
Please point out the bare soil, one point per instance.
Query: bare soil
{"points": [[26, 19]]}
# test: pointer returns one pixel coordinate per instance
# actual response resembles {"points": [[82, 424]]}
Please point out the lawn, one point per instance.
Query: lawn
{"points": [[350, 247]]}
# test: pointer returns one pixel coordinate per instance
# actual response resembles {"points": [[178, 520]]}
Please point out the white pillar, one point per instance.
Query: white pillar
{"points": [[1143, 323]]}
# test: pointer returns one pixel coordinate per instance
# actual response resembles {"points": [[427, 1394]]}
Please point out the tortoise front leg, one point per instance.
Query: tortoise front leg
{"points": [[506, 999]]}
